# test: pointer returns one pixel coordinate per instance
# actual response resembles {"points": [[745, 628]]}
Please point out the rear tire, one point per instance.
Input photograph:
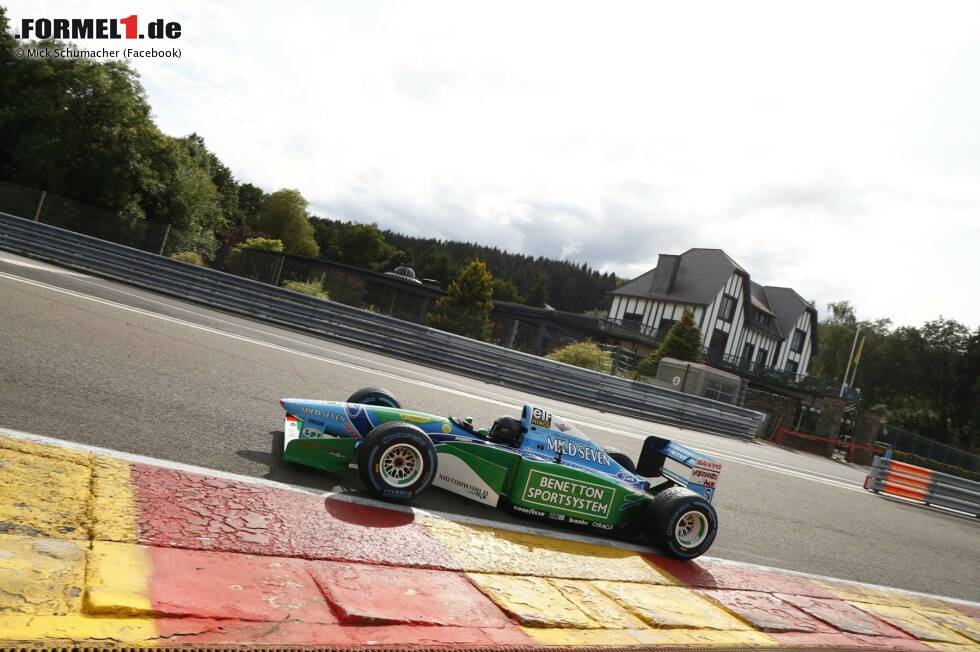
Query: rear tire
{"points": [[682, 523], [397, 461], [374, 396], [622, 459]]}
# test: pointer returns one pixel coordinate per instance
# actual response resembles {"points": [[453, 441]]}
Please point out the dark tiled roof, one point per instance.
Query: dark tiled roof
{"points": [[787, 306], [701, 274]]}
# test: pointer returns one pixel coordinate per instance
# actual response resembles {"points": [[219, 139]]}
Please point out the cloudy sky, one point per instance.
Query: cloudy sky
{"points": [[833, 147]]}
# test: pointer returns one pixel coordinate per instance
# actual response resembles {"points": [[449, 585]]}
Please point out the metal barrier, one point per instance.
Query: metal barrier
{"points": [[923, 485], [380, 333]]}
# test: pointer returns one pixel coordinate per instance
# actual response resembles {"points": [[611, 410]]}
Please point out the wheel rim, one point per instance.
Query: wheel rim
{"points": [[401, 465], [691, 529]]}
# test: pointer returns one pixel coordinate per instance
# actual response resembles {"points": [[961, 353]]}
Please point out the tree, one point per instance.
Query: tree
{"points": [[538, 294], [465, 309], [362, 245], [505, 291], [250, 200], [283, 216], [683, 342]]}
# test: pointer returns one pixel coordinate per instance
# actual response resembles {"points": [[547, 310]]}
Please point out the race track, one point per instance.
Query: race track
{"points": [[97, 362]]}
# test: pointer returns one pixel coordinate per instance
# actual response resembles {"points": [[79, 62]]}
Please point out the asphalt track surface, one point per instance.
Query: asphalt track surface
{"points": [[101, 363]]}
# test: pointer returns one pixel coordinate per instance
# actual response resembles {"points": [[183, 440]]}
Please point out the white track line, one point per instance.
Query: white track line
{"points": [[765, 465], [456, 518]]}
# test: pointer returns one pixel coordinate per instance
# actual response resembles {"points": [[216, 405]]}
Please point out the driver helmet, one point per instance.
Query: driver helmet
{"points": [[506, 430]]}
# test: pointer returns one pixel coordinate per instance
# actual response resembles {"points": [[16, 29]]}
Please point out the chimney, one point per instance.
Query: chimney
{"points": [[665, 276]]}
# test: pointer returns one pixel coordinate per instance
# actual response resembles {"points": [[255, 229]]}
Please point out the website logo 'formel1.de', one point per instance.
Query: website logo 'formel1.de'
{"points": [[129, 27]]}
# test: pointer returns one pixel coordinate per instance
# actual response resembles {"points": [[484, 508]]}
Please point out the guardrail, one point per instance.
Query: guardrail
{"points": [[369, 330], [923, 485]]}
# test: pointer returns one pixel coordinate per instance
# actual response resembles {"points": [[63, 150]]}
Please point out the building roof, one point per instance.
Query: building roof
{"points": [[696, 276], [700, 274], [760, 301], [787, 306]]}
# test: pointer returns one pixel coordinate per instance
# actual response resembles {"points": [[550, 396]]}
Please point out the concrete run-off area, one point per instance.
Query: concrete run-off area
{"points": [[97, 548]]}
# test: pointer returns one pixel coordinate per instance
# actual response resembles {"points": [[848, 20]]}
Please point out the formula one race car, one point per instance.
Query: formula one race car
{"points": [[538, 465]]}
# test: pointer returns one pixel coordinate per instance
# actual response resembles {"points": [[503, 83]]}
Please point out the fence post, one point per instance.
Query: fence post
{"points": [[166, 234], [40, 205]]}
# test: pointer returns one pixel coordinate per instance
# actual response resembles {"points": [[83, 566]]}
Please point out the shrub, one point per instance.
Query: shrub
{"points": [[584, 353], [231, 260], [312, 289], [189, 257]]}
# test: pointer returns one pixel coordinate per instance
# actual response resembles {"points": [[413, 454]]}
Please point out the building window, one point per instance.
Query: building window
{"points": [[762, 319], [762, 358], [792, 366], [633, 319], [666, 325], [798, 338], [727, 310]]}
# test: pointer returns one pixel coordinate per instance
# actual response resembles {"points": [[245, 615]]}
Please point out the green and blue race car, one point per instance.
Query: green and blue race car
{"points": [[538, 465]]}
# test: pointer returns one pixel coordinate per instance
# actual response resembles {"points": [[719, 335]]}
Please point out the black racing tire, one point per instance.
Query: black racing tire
{"points": [[682, 523], [397, 461], [374, 396], [622, 459]]}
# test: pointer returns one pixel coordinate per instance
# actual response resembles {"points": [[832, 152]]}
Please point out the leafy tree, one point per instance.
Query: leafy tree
{"points": [[584, 353], [434, 263], [283, 216], [683, 342], [250, 200], [505, 291], [465, 309], [362, 245]]}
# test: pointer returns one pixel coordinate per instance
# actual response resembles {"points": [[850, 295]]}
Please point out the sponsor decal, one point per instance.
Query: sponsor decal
{"points": [[704, 478], [557, 517], [583, 498], [708, 464], [458, 477], [581, 451], [311, 433], [414, 418], [601, 526], [529, 511], [675, 381], [476, 492], [562, 426], [540, 417], [626, 477], [324, 415], [316, 422], [446, 428]]}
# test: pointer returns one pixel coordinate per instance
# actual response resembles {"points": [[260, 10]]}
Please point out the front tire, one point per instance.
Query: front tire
{"points": [[374, 396], [397, 461], [682, 523]]}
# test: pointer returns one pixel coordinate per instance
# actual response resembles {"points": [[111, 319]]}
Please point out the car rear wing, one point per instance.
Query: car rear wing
{"points": [[703, 470]]}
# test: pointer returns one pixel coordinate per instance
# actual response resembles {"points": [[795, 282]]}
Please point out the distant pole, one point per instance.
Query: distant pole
{"points": [[857, 361], [40, 205], [849, 358]]}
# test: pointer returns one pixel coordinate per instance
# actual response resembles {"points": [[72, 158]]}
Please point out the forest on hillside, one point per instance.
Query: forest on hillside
{"points": [[83, 130]]}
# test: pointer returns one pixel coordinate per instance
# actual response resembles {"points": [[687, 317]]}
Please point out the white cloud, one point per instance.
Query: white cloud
{"points": [[831, 147]]}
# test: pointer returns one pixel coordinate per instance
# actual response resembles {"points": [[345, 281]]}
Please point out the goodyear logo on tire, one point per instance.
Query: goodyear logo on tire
{"points": [[571, 496]]}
